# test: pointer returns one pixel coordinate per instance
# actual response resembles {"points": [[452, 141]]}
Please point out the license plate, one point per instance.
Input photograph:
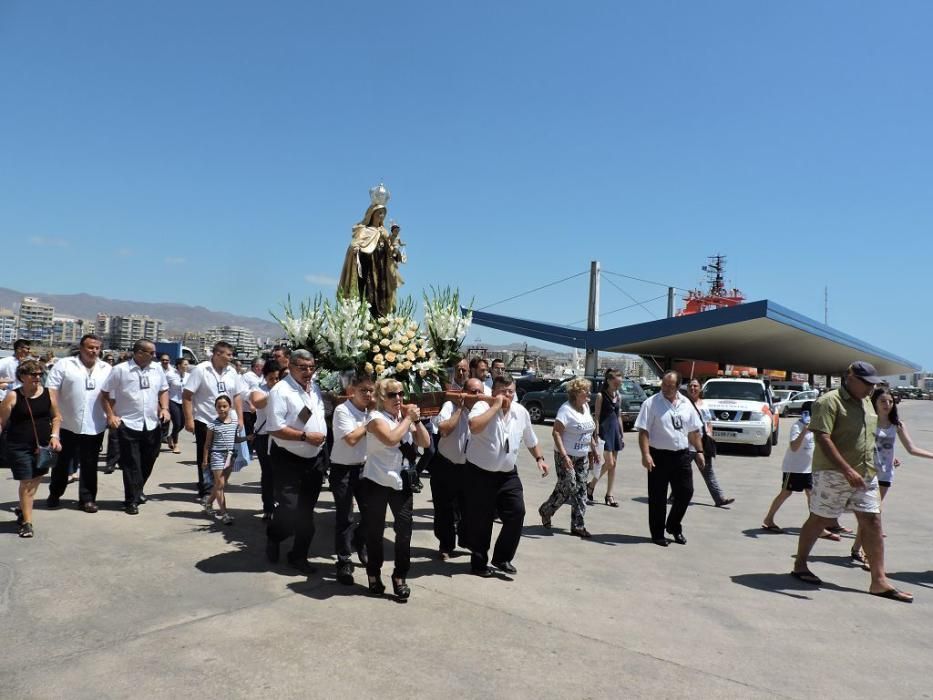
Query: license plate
{"points": [[723, 433]]}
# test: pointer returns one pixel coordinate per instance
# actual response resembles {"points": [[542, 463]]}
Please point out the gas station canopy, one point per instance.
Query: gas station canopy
{"points": [[757, 334]]}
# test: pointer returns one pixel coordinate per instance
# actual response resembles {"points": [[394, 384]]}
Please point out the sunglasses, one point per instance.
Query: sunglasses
{"points": [[393, 394], [33, 374]]}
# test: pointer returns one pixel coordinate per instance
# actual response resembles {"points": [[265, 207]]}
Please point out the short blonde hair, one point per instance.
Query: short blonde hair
{"points": [[383, 386], [578, 386]]}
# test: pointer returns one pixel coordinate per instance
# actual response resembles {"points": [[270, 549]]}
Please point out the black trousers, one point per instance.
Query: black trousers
{"points": [[178, 420], [138, 452], [113, 448], [205, 480], [448, 498], [674, 469], [267, 472], [87, 449], [489, 494], [297, 487], [373, 501], [344, 482]]}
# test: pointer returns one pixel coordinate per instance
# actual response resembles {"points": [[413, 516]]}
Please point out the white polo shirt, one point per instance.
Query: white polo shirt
{"points": [[287, 400], [250, 381], [135, 392], [205, 384], [453, 445], [495, 448], [666, 423], [176, 386], [384, 462], [348, 418], [79, 394]]}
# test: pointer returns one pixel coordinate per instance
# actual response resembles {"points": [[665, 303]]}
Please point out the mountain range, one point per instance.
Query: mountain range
{"points": [[178, 318]]}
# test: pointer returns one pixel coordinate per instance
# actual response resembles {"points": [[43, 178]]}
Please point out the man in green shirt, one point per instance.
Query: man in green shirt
{"points": [[843, 426]]}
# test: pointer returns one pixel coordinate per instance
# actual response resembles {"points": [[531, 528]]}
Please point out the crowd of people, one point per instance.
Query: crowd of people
{"points": [[372, 448]]}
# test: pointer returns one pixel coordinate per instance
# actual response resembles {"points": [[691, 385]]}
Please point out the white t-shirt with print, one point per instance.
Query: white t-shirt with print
{"points": [[578, 429]]}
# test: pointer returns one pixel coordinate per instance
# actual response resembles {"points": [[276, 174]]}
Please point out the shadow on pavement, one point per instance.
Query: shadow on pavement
{"points": [[757, 532], [917, 578], [785, 584]]}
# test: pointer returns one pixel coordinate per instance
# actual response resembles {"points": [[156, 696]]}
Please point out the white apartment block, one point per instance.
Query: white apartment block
{"points": [[242, 339]]}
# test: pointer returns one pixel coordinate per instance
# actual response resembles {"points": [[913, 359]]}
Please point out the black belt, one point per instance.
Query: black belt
{"points": [[670, 452]]}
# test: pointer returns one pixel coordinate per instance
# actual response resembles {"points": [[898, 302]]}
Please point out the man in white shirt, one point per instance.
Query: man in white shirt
{"points": [[496, 369], [8, 365], [667, 426], [208, 380], [479, 369], [74, 386], [491, 484], [299, 458], [250, 380], [453, 426], [347, 457], [135, 399]]}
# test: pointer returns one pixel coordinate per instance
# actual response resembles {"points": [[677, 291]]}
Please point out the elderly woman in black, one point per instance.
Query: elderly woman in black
{"points": [[30, 421]]}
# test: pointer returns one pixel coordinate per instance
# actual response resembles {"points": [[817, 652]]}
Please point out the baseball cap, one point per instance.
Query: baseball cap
{"points": [[866, 372]]}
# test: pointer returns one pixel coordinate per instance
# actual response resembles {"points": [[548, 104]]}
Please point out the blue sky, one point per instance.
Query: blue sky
{"points": [[217, 153]]}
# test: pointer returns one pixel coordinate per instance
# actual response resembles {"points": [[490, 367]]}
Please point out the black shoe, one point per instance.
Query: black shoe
{"points": [[345, 573], [301, 564], [142, 499], [679, 538], [19, 517], [401, 589], [53, 503], [505, 566], [580, 532], [267, 516], [485, 572], [660, 541], [108, 469], [89, 507], [272, 550], [376, 586], [131, 509], [725, 502]]}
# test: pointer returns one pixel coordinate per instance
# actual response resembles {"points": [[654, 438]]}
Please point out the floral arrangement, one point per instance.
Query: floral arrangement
{"points": [[345, 338], [447, 325]]}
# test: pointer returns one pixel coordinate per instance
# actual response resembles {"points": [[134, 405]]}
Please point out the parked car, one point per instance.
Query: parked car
{"points": [[781, 397], [531, 382], [742, 412], [544, 404], [651, 389], [795, 404]]}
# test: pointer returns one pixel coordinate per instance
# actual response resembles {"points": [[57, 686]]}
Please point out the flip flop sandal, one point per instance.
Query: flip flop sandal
{"points": [[772, 528], [831, 536], [807, 577], [857, 556], [839, 530], [894, 594]]}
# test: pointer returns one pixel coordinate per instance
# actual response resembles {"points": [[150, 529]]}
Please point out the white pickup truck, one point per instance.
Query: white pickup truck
{"points": [[742, 412]]}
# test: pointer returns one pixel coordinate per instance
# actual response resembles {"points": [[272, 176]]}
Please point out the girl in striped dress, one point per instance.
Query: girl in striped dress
{"points": [[219, 455]]}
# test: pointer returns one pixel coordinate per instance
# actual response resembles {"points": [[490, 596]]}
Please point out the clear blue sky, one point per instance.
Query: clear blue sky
{"points": [[217, 153]]}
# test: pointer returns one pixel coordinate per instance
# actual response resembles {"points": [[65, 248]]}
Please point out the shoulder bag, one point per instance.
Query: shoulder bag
{"points": [[46, 457]]}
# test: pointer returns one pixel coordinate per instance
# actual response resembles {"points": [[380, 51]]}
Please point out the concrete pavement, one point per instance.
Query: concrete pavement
{"points": [[170, 602]]}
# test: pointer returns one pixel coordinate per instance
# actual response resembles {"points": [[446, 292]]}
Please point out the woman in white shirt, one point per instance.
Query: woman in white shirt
{"points": [[574, 451], [382, 483], [176, 385]]}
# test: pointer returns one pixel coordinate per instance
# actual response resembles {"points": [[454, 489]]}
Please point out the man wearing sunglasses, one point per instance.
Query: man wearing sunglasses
{"points": [[844, 477], [299, 458], [491, 482], [667, 426]]}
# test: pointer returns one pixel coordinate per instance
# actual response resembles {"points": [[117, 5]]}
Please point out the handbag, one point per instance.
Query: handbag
{"points": [[709, 445], [46, 457]]}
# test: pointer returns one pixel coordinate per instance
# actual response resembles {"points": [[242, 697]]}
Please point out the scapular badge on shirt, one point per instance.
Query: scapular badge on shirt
{"points": [[221, 387], [89, 383], [677, 422], [304, 414], [143, 381]]}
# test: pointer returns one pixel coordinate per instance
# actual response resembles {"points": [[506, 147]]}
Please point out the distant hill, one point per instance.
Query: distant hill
{"points": [[178, 317]]}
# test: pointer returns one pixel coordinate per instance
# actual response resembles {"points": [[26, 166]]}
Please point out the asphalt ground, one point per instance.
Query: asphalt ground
{"points": [[171, 603]]}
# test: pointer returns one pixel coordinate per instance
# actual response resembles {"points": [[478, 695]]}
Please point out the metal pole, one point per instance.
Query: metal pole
{"points": [[670, 302], [592, 319]]}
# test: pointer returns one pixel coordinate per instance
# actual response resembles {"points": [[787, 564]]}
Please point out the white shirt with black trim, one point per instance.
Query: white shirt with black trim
{"points": [[79, 394], [205, 384], [495, 448], [287, 401], [668, 424], [135, 391], [384, 462]]}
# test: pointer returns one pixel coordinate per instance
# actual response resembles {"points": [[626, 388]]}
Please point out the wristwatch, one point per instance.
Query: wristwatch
{"points": [[540, 459], [303, 437]]}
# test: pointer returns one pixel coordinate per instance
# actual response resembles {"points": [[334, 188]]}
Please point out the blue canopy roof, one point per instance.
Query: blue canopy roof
{"points": [[757, 334]]}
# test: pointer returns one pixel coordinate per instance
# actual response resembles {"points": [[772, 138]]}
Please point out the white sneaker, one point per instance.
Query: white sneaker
{"points": [[226, 519]]}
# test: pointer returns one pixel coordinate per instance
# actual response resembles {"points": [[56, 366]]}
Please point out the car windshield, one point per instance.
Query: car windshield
{"points": [[633, 390], [741, 391], [782, 394]]}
